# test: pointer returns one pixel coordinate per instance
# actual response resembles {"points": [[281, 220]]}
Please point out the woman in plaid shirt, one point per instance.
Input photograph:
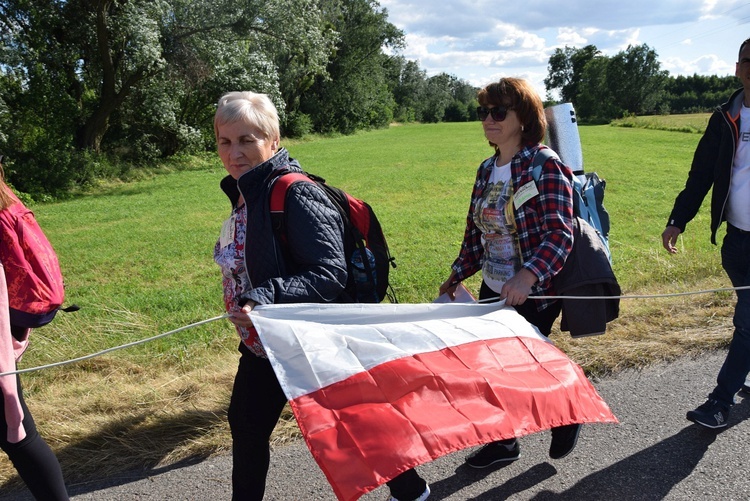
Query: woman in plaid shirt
{"points": [[518, 232]]}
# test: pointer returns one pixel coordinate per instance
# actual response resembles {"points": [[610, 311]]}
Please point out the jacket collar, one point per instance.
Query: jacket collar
{"points": [[733, 106], [252, 183]]}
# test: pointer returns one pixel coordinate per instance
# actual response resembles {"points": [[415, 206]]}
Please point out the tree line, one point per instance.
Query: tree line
{"points": [[631, 82], [93, 88]]}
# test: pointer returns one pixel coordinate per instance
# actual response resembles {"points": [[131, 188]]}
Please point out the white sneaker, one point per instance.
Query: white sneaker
{"points": [[422, 496]]}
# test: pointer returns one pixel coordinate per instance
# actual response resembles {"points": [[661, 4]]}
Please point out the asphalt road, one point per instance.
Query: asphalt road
{"points": [[653, 454]]}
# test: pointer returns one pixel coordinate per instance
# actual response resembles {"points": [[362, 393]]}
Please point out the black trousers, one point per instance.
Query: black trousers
{"points": [[33, 459], [254, 409]]}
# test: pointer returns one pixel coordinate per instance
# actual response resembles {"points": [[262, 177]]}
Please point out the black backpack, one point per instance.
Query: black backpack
{"points": [[367, 256]]}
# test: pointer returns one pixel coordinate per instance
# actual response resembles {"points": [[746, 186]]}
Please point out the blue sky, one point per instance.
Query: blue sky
{"points": [[481, 41]]}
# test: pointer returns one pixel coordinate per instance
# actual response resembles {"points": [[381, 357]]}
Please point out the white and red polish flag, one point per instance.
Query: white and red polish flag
{"points": [[380, 388]]}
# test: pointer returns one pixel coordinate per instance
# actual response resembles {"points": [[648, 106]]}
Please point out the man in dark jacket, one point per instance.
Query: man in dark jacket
{"points": [[722, 160]]}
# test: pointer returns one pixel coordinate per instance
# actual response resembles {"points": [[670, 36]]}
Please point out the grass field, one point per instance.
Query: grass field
{"points": [[694, 123], [138, 259]]}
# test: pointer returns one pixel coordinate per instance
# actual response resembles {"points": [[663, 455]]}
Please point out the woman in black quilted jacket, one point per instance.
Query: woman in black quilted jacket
{"points": [[311, 268]]}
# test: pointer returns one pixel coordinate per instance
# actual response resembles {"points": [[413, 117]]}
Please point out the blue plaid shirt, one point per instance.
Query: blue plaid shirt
{"points": [[544, 223]]}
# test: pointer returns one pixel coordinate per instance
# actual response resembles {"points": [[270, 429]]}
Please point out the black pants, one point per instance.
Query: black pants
{"points": [[33, 459], [254, 409]]}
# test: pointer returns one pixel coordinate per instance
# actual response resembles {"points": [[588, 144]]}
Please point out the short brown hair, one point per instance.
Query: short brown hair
{"points": [[520, 96], [742, 46]]}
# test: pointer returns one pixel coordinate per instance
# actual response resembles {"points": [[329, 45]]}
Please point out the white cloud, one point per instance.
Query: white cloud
{"points": [[482, 40], [704, 65], [573, 37]]}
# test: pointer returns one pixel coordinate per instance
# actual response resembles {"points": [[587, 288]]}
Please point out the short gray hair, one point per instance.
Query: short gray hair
{"points": [[249, 107]]}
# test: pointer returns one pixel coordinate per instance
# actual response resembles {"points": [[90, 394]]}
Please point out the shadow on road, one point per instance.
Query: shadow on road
{"points": [[465, 475], [653, 472], [649, 474], [126, 451]]}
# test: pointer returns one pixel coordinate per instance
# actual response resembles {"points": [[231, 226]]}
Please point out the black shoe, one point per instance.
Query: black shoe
{"points": [[745, 389], [422, 497], [494, 452], [564, 439], [711, 414]]}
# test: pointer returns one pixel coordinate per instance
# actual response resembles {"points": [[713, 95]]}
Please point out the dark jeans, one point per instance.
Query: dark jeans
{"points": [[33, 459], [254, 409], [735, 258]]}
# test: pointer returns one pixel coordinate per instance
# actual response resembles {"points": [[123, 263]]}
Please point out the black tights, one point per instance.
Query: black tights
{"points": [[33, 459]]}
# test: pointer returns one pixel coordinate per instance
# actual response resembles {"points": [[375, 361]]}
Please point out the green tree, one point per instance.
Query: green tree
{"points": [[565, 71], [355, 94], [464, 104], [592, 104], [410, 92], [698, 93], [81, 71], [635, 81], [629, 82], [437, 98]]}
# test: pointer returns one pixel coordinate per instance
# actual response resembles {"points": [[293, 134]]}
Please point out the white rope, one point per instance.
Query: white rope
{"points": [[202, 322], [632, 296], [109, 350]]}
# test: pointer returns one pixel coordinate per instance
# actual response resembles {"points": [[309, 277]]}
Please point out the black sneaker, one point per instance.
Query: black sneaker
{"points": [[711, 414], [422, 497], [564, 439], [745, 389], [494, 452]]}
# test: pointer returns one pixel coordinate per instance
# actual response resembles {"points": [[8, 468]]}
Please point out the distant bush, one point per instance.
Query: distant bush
{"points": [[297, 125]]}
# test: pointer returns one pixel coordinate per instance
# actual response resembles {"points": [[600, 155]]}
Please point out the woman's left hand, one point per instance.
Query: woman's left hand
{"points": [[517, 289], [242, 317]]}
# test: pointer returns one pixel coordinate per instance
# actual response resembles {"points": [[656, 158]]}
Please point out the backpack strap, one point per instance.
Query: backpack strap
{"points": [[539, 159], [584, 200], [277, 202], [280, 186]]}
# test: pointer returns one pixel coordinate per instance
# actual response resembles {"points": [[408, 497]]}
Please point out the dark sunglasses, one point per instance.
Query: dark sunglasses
{"points": [[498, 113]]}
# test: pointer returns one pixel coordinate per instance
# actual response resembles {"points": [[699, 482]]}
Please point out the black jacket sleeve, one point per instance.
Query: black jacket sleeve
{"points": [[701, 176]]}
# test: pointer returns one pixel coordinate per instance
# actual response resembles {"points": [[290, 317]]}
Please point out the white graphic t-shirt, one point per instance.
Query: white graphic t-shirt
{"points": [[494, 216], [738, 205]]}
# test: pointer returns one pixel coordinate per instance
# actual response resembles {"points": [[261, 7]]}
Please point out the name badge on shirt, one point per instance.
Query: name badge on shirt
{"points": [[524, 194], [227, 232]]}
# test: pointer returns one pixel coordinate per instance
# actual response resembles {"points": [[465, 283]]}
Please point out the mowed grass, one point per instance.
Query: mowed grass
{"points": [[138, 259], [695, 122]]}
